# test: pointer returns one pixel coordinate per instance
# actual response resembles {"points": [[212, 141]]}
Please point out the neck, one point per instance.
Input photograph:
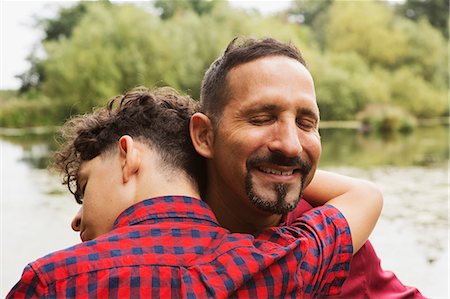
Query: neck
{"points": [[159, 185], [239, 215]]}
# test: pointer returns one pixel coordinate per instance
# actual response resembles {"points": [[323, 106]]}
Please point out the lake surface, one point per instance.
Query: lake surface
{"points": [[411, 237]]}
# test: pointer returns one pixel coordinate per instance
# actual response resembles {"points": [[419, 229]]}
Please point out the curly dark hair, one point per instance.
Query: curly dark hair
{"points": [[214, 90], [159, 118]]}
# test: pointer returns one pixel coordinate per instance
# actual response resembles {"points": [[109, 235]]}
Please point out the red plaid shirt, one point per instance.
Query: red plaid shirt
{"points": [[366, 278], [173, 247]]}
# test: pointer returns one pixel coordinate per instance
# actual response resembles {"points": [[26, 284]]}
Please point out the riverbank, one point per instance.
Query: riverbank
{"points": [[412, 235]]}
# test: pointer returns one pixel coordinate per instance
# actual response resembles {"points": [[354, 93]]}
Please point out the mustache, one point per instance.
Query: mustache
{"points": [[275, 158]]}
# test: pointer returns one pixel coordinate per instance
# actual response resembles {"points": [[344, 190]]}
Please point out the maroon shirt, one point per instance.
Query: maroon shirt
{"points": [[366, 279]]}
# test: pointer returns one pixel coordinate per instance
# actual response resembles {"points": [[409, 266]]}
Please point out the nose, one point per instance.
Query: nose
{"points": [[286, 139], [76, 221]]}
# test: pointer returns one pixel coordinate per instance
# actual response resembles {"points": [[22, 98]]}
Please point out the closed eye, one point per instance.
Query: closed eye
{"points": [[79, 194], [306, 124], [260, 120], [79, 197]]}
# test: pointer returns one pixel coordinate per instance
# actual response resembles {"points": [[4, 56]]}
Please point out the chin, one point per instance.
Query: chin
{"points": [[274, 204]]}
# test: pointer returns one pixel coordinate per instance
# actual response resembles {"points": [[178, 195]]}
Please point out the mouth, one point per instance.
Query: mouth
{"points": [[274, 171], [279, 174]]}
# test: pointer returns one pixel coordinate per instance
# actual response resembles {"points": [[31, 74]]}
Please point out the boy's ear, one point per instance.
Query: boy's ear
{"points": [[202, 134], [129, 156]]}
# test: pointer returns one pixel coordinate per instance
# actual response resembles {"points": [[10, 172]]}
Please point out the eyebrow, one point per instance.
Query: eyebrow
{"points": [[262, 108]]}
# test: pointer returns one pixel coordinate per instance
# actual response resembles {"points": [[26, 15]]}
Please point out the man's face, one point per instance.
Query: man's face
{"points": [[267, 145], [99, 180]]}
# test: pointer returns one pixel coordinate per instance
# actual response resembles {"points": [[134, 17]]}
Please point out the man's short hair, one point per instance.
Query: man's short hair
{"points": [[158, 118], [215, 91]]}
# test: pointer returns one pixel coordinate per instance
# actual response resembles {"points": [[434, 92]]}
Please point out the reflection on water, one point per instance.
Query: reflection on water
{"points": [[37, 148], [423, 147]]}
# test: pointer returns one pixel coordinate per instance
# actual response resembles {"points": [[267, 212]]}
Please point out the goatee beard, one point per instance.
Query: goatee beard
{"points": [[280, 206]]}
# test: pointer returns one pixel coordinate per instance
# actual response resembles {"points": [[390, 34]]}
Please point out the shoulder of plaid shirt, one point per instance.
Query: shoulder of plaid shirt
{"points": [[172, 246], [366, 279]]}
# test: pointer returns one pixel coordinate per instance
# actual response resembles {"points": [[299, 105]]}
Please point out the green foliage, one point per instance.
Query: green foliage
{"points": [[386, 119], [63, 25], [344, 84], [108, 53], [360, 53], [31, 78], [22, 114], [435, 11], [407, 62], [366, 28], [427, 51], [54, 29], [7, 95], [419, 97], [170, 8], [308, 11]]}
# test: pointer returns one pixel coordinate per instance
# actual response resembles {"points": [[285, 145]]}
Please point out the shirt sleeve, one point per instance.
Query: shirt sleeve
{"points": [[322, 244], [335, 248], [29, 285]]}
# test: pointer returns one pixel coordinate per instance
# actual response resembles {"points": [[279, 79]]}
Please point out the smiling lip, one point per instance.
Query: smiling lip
{"points": [[283, 174]]}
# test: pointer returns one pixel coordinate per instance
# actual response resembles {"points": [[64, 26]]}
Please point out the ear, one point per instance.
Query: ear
{"points": [[129, 156], [202, 134]]}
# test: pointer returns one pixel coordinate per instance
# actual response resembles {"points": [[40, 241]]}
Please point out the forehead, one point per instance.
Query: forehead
{"points": [[273, 80]]}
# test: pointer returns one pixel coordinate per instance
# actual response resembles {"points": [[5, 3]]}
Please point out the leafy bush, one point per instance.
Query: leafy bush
{"points": [[21, 113], [359, 53], [386, 119]]}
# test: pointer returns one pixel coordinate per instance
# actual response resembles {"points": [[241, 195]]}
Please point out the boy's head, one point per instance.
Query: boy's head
{"points": [[104, 149]]}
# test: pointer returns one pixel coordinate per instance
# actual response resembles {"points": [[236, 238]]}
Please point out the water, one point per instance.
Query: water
{"points": [[346, 147], [411, 237], [35, 212]]}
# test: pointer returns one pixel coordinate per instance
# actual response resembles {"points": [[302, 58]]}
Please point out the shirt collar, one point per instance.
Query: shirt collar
{"points": [[166, 207]]}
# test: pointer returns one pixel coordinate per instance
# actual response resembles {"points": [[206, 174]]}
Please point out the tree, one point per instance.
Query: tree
{"points": [[344, 84], [170, 8], [107, 54], [366, 28], [366, 54], [115, 48], [427, 51], [64, 23], [385, 40], [55, 28], [435, 11], [31, 78], [411, 92], [306, 12]]}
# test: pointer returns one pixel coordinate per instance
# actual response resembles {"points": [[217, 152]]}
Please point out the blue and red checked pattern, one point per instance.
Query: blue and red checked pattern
{"points": [[173, 247]]}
